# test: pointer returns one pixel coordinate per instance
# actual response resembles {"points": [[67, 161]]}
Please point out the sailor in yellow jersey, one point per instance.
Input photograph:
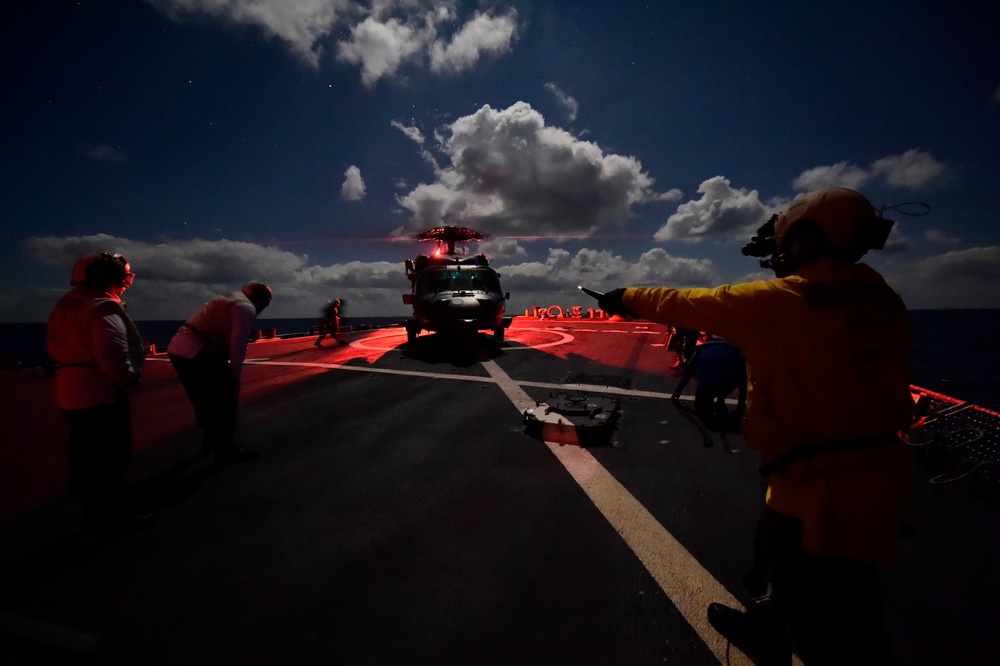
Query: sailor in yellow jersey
{"points": [[827, 347]]}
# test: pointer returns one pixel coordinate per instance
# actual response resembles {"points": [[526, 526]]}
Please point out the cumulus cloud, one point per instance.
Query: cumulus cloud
{"points": [[938, 237], [840, 174], [430, 204], [412, 133], [353, 187], [656, 267], [301, 25], [383, 37], [385, 41], [896, 242], [502, 248], [968, 278], [722, 212], [197, 261], [380, 48], [512, 174], [483, 34], [561, 272], [912, 170], [566, 100], [415, 135], [175, 277], [558, 276], [352, 276]]}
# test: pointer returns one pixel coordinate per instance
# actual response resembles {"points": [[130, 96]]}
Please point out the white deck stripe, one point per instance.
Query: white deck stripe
{"points": [[589, 388], [689, 586]]}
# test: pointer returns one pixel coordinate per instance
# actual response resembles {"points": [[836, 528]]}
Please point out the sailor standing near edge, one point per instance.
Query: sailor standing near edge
{"points": [[827, 347], [100, 354]]}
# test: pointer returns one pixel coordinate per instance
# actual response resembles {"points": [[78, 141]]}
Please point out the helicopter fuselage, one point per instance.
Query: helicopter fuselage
{"points": [[455, 294]]}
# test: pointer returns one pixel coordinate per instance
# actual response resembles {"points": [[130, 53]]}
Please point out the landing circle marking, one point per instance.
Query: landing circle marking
{"points": [[364, 343]]}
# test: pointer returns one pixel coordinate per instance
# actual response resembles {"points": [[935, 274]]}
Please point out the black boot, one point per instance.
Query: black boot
{"points": [[757, 633]]}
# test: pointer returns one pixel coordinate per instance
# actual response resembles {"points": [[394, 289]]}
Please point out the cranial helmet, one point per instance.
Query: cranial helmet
{"points": [[258, 293], [849, 223], [99, 269], [838, 223]]}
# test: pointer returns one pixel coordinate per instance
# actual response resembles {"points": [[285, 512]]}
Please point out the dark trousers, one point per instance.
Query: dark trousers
{"points": [[831, 605], [214, 393], [331, 328], [710, 400], [100, 447]]}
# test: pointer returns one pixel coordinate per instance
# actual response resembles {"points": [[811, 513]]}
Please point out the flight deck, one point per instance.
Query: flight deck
{"points": [[402, 511]]}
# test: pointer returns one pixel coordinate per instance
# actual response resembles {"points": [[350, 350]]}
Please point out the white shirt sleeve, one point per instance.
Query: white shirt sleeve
{"points": [[242, 316], [111, 348]]}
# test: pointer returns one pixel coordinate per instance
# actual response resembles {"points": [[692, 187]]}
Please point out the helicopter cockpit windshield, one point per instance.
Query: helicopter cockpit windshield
{"points": [[458, 280]]}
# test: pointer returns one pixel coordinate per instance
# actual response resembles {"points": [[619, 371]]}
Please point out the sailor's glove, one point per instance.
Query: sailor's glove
{"points": [[611, 301]]}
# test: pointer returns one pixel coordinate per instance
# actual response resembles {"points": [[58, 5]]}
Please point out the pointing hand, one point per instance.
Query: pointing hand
{"points": [[611, 302]]}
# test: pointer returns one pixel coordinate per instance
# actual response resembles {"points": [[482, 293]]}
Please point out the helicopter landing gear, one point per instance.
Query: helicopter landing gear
{"points": [[411, 332]]}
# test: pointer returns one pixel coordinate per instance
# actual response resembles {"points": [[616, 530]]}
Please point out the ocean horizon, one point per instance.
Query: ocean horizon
{"points": [[953, 352]]}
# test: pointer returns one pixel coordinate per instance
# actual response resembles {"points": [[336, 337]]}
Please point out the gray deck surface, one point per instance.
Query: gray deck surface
{"points": [[399, 514]]}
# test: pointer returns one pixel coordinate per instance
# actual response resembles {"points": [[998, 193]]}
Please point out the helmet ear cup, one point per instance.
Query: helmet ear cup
{"points": [[805, 242], [874, 232]]}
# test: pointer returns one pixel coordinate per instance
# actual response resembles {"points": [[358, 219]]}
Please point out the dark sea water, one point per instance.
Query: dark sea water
{"points": [[954, 352], [957, 353]]}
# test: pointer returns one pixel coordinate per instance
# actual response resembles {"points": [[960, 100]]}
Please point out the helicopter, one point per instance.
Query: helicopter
{"points": [[454, 292]]}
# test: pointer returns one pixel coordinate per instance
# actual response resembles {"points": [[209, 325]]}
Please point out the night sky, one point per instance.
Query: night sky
{"points": [[621, 143]]}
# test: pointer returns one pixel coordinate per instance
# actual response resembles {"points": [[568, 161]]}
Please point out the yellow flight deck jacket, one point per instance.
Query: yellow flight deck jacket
{"points": [[827, 352]]}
